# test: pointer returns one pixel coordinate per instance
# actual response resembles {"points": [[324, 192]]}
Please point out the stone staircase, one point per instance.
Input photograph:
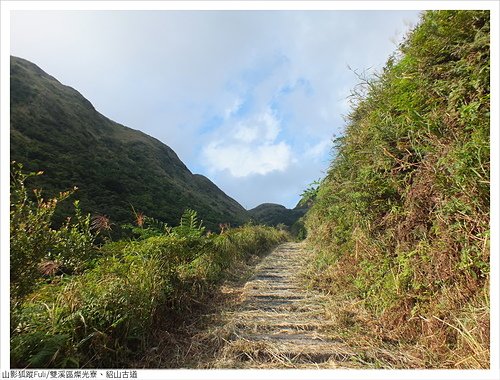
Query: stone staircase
{"points": [[280, 324]]}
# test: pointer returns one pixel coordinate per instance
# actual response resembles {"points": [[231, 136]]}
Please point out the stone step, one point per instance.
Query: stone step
{"points": [[269, 277], [281, 307], [263, 351], [276, 274], [260, 316], [283, 326], [284, 283], [266, 297], [276, 286], [269, 295], [292, 337]]}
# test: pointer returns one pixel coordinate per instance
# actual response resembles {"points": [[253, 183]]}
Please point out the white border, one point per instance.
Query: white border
{"points": [[493, 6], [4, 188], [247, 5], [495, 188]]}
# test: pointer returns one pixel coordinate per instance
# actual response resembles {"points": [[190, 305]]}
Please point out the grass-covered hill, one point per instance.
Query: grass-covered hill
{"points": [[56, 130], [401, 220], [272, 214]]}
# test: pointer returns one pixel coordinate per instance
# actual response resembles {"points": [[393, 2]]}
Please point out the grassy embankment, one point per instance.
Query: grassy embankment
{"points": [[101, 305], [401, 222]]}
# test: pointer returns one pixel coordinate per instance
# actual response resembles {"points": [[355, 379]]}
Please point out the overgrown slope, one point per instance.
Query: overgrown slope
{"points": [[55, 129], [402, 218]]}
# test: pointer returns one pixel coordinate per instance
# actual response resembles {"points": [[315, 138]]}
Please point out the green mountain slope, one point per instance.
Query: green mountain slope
{"points": [[55, 129], [402, 219], [272, 214]]}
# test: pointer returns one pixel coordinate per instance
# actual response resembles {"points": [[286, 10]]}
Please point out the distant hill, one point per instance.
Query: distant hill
{"points": [[56, 130], [272, 214]]}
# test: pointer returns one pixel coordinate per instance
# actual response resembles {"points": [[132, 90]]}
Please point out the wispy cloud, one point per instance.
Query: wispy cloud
{"points": [[317, 151], [233, 108], [242, 160], [250, 147]]}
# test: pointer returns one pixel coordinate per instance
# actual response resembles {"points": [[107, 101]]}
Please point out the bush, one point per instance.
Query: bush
{"points": [[108, 314], [32, 238]]}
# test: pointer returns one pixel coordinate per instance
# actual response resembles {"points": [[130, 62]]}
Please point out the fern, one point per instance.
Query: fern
{"points": [[157, 225], [189, 225]]}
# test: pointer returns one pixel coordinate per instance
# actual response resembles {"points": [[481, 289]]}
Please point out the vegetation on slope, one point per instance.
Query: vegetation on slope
{"points": [[401, 220], [55, 129], [271, 214], [77, 304]]}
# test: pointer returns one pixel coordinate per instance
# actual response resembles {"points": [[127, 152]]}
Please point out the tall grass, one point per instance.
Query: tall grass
{"points": [[401, 220], [106, 313]]}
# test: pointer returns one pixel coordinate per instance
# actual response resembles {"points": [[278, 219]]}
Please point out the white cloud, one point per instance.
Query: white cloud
{"points": [[271, 126], [262, 126], [318, 150], [251, 147], [282, 187], [245, 133], [233, 108], [242, 160]]}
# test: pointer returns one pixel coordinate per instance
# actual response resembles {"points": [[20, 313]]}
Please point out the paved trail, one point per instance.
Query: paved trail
{"points": [[280, 324]]}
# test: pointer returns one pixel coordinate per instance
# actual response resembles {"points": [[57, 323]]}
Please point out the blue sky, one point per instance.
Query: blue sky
{"points": [[251, 99]]}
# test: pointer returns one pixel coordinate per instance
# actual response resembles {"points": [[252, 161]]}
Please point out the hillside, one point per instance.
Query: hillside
{"points": [[401, 221], [56, 130], [272, 214]]}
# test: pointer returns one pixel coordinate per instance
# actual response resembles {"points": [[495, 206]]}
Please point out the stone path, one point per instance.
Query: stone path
{"points": [[280, 324]]}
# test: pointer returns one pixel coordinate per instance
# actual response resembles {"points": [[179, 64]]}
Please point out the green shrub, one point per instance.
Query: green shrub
{"points": [[107, 315], [32, 238]]}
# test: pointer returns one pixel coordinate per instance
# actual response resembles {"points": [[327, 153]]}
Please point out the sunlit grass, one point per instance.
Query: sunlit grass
{"points": [[401, 220]]}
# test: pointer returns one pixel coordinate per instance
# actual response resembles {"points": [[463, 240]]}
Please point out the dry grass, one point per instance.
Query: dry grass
{"points": [[194, 341], [349, 321], [308, 330], [231, 330], [394, 337]]}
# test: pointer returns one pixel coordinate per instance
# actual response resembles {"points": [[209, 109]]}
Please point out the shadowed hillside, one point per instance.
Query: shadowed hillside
{"points": [[272, 214]]}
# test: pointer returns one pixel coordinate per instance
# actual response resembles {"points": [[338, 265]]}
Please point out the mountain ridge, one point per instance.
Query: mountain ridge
{"points": [[273, 214], [56, 130]]}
